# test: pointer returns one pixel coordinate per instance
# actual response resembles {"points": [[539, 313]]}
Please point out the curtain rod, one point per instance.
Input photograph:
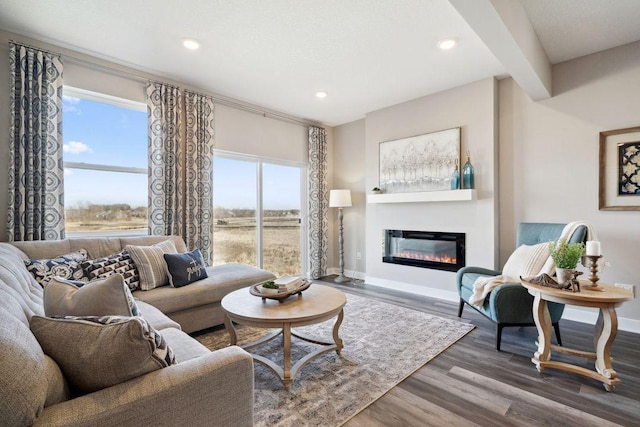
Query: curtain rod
{"points": [[58, 54], [144, 77]]}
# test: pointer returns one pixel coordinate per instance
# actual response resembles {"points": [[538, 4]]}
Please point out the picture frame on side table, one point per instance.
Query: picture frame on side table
{"points": [[620, 170], [419, 163]]}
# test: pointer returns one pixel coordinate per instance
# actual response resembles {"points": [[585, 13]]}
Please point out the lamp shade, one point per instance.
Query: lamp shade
{"points": [[340, 198]]}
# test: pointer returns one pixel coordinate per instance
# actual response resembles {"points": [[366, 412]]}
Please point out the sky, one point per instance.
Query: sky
{"points": [[101, 133]]}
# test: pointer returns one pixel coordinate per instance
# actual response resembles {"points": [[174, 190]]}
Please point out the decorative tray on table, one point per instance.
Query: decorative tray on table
{"points": [[282, 292]]}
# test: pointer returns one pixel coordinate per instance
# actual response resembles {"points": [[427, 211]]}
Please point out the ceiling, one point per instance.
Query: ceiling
{"points": [[367, 54]]}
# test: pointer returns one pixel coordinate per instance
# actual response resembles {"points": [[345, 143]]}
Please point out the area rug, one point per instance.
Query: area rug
{"points": [[383, 344]]}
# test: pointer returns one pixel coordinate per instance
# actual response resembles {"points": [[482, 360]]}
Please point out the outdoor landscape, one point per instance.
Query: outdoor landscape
{"points": [[234, 232]]}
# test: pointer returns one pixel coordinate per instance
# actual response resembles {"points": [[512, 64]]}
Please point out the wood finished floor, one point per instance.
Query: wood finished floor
{"points": [[473, 384]]}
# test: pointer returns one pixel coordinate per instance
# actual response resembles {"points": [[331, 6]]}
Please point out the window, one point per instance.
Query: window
{"points": [[248, 191], [105, 164]]}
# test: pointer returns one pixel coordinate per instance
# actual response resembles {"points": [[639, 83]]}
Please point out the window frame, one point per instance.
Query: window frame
{"points": [[259, 161], [114, 101]]}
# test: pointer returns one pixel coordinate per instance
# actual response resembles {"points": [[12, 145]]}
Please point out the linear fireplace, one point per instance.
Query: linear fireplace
{"points": [[426, 249]]}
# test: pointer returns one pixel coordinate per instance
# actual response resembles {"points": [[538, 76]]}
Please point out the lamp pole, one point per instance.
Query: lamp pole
{"points": [[340, 199], [341, 277]]}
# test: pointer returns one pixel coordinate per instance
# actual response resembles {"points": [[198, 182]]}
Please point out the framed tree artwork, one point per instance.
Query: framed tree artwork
{"points": [[419, 163]]}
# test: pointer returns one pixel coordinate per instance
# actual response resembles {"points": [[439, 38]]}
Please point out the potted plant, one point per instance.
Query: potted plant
{"points": [[565, 256], [376, 190]]}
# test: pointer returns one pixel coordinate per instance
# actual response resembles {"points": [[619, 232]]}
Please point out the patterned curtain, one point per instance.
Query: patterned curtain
{"points": [[36, 186], [318, 203], [164, 107], [198, 214]]}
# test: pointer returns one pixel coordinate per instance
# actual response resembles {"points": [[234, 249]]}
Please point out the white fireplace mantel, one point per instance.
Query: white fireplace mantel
{"points": [[423, 196]]}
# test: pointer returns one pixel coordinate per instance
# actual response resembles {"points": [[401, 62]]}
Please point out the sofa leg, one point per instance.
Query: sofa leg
{"points": [[556, 327], [460, 307], [498, 336]]}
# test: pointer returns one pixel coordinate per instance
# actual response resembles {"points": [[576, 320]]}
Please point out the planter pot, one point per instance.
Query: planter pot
{"points": [[563, 275]]}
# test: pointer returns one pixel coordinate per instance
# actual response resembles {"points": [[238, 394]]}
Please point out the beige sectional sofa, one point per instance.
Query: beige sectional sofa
{"points": [[202, 388]]}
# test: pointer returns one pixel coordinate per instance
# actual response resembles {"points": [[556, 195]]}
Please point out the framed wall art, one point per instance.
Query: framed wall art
{"points": [[620, 170], [419, 163]]}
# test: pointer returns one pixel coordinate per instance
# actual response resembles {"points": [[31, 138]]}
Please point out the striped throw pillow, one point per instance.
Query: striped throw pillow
{"points": [[150, 263]]}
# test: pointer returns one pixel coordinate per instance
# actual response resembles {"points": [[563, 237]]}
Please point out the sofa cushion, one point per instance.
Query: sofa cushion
{"points": [[185, 347], [183, 269], [157, 319], [98, 352], [119, 262], [67, 266], [150, 263], [222, 280], [102, 297]]}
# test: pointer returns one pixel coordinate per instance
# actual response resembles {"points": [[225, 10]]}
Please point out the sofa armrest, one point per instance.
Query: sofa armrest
{"points": [[217, 387]]}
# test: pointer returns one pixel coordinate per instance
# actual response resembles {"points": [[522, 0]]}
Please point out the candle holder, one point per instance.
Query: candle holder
{"points": [[591, 262]]}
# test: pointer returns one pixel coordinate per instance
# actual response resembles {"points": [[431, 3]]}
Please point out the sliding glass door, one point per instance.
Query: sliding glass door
{"points": [[258, 213]]}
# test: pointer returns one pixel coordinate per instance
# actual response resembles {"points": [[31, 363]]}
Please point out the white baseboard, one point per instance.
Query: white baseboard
{"points": [[414, 289], [570, 313], [349, 273]]}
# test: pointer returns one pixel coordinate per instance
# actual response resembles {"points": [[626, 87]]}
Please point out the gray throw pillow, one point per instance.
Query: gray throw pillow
{"points": [[98, 352], [150, 263], [67, 266], [183, 269], [102, 297]]}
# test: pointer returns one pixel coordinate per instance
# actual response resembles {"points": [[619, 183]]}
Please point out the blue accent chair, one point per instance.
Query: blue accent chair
{"points": [[509, 304]]}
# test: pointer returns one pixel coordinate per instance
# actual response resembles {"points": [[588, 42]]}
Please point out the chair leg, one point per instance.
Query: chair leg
{"points": [[498, 336], [556, 327], [460, 307]]}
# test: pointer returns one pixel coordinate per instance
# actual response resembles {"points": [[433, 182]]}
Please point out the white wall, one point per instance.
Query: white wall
{"points": [[549, 157], [236, 130], [473, 108]]}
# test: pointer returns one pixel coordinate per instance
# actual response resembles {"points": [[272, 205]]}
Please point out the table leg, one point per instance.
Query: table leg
{"points": [[286, 362], [231, 330], [336, 327], [606, 331], [543, 324]]}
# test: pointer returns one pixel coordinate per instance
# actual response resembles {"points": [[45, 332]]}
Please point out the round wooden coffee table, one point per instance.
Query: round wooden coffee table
{"points": [[314, 305]]}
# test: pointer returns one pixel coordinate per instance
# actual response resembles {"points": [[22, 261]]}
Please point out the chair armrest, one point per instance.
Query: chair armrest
{"points": [[217, 387], [474, 270], [512, 303]]}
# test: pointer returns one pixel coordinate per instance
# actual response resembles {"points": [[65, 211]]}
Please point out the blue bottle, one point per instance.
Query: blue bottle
{"points": [[467, 174], [455, 178]]}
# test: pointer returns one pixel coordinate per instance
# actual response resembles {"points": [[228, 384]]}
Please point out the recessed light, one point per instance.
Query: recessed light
{"points": [[190, 44], [446, 44], [321, 94]]}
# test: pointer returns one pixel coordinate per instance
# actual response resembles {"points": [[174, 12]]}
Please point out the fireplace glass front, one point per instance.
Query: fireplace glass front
{"points": [[426, 249]]}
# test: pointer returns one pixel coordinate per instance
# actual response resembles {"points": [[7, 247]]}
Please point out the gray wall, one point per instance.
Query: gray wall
{"points": [[348, 162], [547, 159]]}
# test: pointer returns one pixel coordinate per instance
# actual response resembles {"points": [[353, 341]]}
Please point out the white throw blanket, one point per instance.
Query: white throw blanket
{"points": [[525, 264]]}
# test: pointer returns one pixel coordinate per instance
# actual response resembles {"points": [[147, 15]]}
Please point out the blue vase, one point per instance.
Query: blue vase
{"points": [[467, 174], [455, 178]]}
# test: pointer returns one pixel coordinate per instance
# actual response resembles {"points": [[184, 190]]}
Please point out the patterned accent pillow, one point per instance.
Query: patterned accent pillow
{"points": [[150, 263], [183, 269], [98, 352], [67, 266], [119, 262], [100, 297]]}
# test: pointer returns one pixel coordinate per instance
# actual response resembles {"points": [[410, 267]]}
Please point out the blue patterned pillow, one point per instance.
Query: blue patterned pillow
{"points": [[183, 269], [66, 266]]}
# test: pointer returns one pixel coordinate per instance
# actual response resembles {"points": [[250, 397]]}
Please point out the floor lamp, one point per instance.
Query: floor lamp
{"points": [[340, 199]]}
